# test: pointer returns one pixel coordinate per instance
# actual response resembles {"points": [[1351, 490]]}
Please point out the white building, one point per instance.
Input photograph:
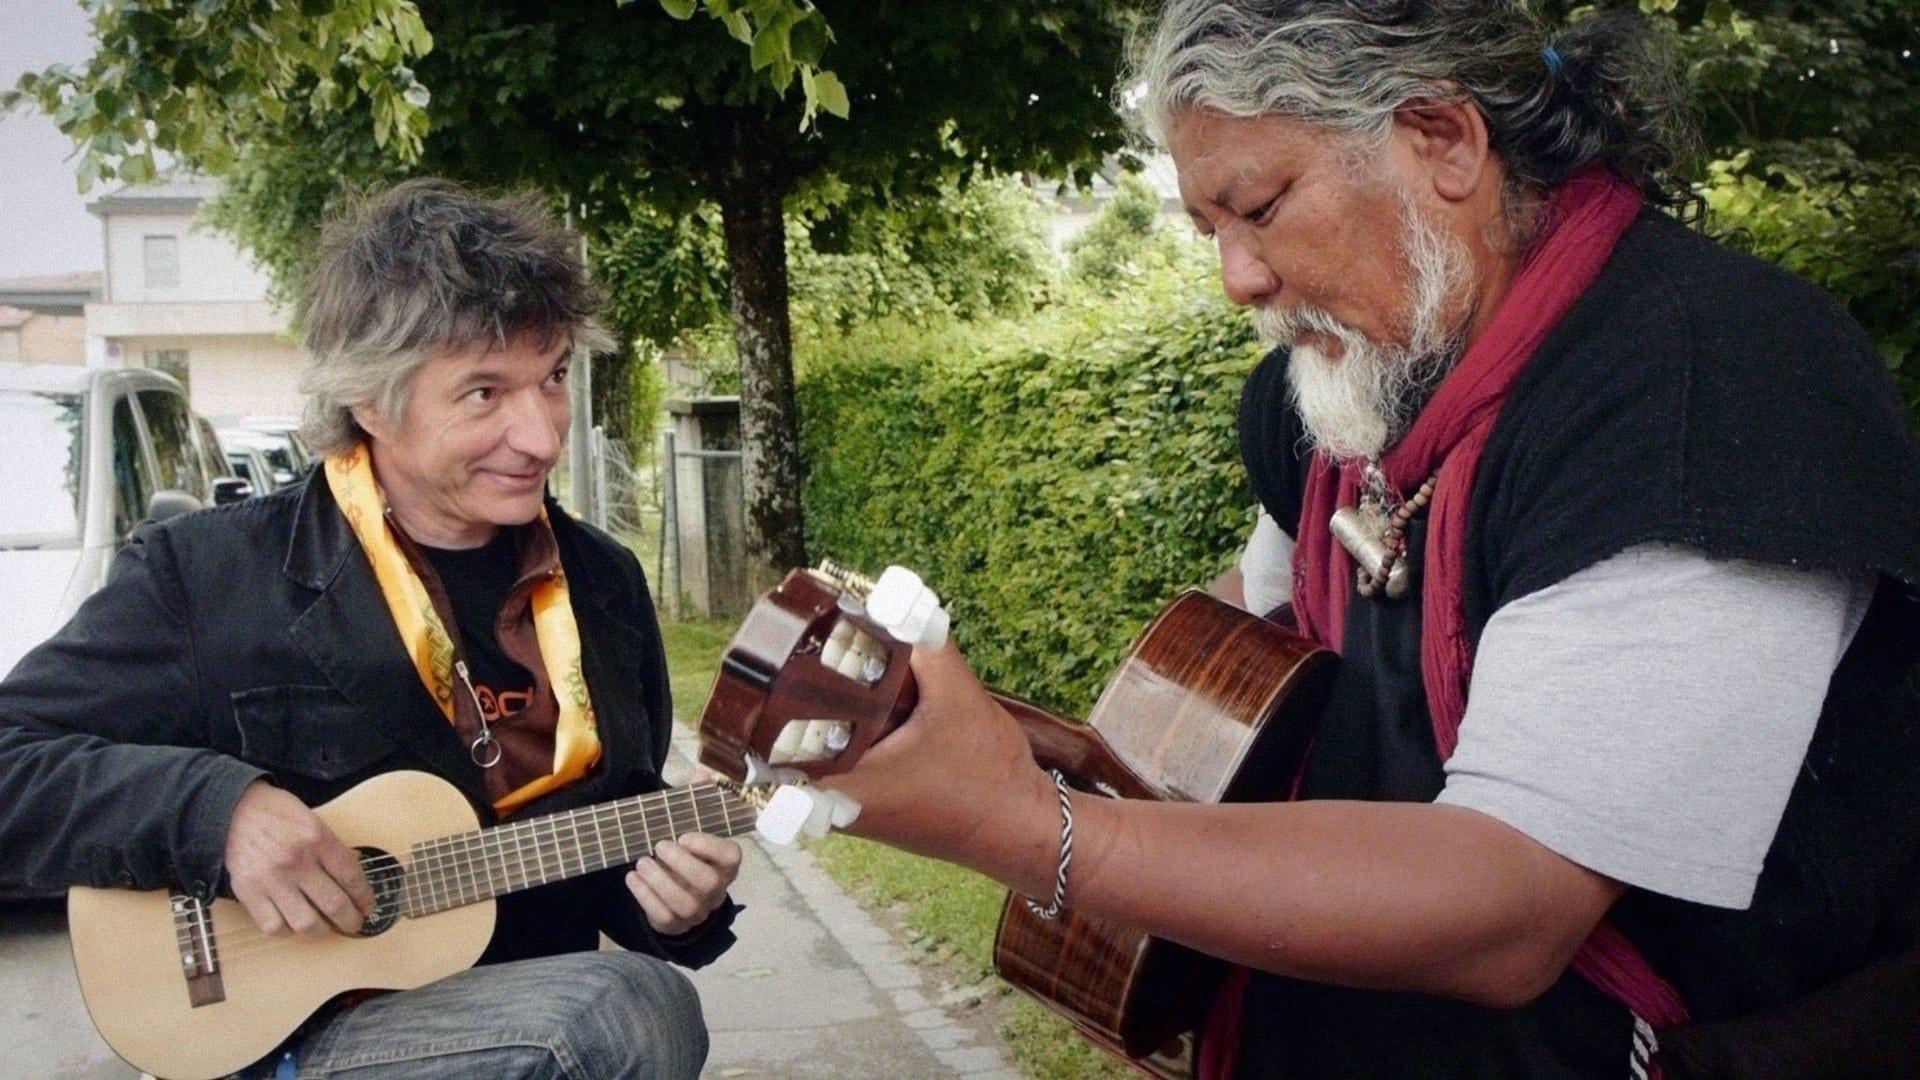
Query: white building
{"points": [[179, 297]]}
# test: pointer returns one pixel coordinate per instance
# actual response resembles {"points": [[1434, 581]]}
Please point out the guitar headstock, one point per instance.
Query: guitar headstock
{"points": [[818, 672]]}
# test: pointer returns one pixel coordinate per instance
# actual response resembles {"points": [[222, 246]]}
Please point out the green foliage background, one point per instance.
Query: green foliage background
{"points": [[1058, 477]]}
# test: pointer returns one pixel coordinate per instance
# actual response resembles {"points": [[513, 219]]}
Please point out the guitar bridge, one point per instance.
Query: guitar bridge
{"points": [[199, 952]]}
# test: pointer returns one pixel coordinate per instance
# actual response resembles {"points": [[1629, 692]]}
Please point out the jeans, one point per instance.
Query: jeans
{"points": [[579, 1016]]}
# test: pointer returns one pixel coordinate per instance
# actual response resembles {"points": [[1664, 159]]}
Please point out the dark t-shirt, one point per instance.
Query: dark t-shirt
{"points": [[477, 581], [1692, 396]]}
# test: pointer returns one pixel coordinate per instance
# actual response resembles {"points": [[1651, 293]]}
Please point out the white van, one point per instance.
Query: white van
{"points": [[88, 454]]}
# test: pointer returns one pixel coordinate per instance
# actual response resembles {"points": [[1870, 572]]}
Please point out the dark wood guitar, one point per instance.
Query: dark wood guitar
{"points": [[1211, 704]]}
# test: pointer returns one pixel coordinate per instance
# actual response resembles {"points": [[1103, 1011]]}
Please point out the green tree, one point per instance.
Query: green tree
{"points": [[966, 252], [609, 106], [1126, 235]]}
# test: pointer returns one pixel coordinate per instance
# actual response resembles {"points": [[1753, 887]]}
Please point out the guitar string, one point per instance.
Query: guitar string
{"points": [[561, 858], [430, 852], [454, 872], [555, 863], [449, 866], [247, 940]]}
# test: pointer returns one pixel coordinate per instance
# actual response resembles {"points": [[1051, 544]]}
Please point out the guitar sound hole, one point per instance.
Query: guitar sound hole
{"points": [[385, 875]]}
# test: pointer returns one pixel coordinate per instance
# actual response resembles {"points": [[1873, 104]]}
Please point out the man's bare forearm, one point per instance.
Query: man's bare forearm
{"points": [[1405, 896]]}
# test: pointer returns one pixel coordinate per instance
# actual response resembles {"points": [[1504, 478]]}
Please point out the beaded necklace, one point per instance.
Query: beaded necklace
{"points": [[1376, 536]]}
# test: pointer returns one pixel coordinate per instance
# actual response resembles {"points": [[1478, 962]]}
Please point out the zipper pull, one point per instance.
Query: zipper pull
{"points": [[485, 750]]}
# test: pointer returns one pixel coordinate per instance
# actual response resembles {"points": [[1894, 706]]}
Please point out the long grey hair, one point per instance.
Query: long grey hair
{"points": [[1606, 89]]}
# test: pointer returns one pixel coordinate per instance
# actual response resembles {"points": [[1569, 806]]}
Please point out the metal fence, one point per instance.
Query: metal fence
{"points": [[702, 546], [684, 506]]}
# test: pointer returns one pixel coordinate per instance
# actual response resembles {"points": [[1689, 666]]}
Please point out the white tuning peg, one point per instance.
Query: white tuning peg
{"points": [[795, 812], [903, 605]]}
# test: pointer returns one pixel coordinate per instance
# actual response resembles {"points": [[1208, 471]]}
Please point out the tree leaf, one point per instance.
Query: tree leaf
{"points": [[832, 94], [769, 45]]}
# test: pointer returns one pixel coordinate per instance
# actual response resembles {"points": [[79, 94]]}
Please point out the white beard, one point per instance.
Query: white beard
{"points": [[1357, 405]]}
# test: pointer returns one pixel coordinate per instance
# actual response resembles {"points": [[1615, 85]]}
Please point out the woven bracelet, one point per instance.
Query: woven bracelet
{"points": [[1052, 910]]}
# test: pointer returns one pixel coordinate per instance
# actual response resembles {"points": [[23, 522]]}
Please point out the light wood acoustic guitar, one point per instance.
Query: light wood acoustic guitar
{"points": [[1211, 704], [190, 989]]}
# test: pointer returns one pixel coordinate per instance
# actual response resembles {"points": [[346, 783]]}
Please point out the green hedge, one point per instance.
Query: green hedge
{"points": [[1057, 479]]}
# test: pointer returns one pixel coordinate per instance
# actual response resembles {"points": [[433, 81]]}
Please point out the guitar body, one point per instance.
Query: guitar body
{"points": [[1211, 704], [127, 948]]}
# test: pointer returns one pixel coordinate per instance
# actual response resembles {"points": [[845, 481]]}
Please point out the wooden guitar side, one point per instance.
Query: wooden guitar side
{"points": [[1212, 704], [128, 958]]}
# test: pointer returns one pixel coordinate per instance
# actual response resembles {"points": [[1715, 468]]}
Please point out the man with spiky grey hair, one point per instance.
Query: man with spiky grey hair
{"points": [[417, 602], [1617, 535]]}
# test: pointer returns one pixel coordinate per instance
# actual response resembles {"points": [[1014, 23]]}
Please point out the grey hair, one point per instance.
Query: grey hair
{"points": [[1610, 91], [424, 267]]}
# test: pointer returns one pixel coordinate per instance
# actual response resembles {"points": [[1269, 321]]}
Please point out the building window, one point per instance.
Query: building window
{"points": [[161, 255], [170, 361]]}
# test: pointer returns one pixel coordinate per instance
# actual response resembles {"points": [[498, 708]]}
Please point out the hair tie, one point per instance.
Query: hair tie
{"points": [[1552, 56]]}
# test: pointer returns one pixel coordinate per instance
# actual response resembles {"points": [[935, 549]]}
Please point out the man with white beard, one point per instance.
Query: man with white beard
{"points": [[1617, 534]]}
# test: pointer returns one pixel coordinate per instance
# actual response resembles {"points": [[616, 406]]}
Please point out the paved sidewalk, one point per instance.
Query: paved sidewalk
{"points": [[816, 988]]}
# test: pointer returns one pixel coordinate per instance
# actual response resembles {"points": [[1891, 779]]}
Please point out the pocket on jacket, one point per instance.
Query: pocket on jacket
{"points": [[309, 730]]}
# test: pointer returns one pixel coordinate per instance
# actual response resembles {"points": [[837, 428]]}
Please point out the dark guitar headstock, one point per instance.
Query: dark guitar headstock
{"points": [[809, 682]]}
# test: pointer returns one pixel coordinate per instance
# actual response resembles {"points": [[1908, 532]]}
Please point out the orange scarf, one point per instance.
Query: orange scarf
{"points": [[576, 737]]}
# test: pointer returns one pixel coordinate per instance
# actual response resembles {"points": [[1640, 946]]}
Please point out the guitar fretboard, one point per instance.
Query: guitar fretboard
{"points": [[453, 871]]}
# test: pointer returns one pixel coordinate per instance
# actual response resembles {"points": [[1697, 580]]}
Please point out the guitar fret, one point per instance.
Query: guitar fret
{"points": [[432, 881], [575, 847], [559, 858], [620, 830], [539, 851], [453, 871], [462, 871]]}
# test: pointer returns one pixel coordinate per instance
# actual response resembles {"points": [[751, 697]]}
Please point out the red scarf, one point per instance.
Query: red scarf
{"points": [[1585, 220]]}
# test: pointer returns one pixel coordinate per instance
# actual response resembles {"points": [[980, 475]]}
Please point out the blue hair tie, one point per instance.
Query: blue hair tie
{"points": [[1552, 56]]}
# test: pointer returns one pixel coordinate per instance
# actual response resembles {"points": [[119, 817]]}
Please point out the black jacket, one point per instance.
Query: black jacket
{"points": [[253, 640]]}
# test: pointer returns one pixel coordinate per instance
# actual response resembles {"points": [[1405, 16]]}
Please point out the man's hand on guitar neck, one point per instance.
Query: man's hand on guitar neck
{"points": [[958, 781], [686, 878], [288, 869]]}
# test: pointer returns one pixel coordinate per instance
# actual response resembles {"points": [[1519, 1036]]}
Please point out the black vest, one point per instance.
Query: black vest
{"points": [[1693, 396]]}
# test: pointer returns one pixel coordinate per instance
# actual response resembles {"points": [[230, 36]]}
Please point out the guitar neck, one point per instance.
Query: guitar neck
{"points": [[466, 868]]}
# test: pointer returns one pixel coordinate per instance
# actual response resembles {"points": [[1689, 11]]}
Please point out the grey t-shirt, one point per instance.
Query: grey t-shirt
{"points": [[1645, 717]]}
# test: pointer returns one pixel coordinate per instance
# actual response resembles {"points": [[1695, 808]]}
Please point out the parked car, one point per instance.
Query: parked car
{"points": [[213, 458], [277, 440], [91, 453], [251, 465]]}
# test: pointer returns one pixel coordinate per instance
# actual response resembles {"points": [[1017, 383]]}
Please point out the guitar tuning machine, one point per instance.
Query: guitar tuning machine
{"points": [[761, 774], [852, 582]]}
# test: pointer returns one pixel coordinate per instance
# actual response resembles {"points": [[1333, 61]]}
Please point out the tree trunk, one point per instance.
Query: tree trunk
{"points": [[752, 194]]}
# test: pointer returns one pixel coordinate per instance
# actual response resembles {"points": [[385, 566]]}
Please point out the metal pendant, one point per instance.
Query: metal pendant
{"points": [[1362, 531], [485, 750]]}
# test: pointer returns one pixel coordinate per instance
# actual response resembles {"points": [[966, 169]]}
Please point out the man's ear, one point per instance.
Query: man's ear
{"points": [[1449, 143], [371, 420]]}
